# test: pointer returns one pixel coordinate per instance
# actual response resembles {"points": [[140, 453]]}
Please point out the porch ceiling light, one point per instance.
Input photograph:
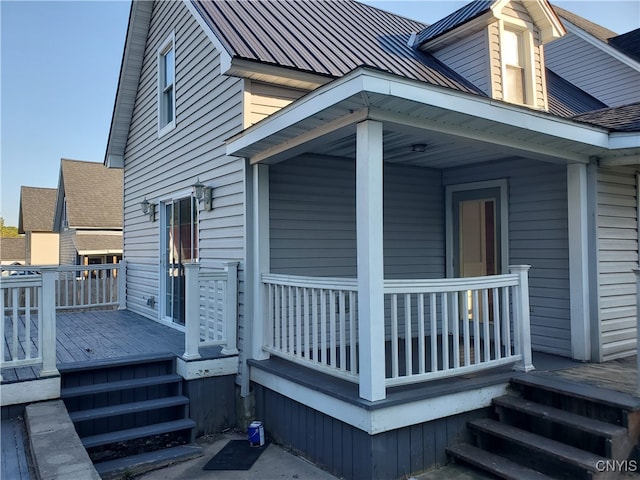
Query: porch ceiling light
{"points": [[148, 209], [204, 194], [419, 147]]}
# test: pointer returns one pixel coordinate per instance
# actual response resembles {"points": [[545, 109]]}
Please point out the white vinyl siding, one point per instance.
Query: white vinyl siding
{"points": [[617, 257], [313, 219], [538, 236], [265, 99], [208, 111], [603, 77], [468, 57]]}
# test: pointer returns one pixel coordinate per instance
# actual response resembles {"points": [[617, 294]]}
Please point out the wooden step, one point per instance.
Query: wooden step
{"points": [[555, 415], [620, 400], [139, 432], [92, 365], [71, 392], [494, 464], [126, 408], [138, 464], [581, 459]]}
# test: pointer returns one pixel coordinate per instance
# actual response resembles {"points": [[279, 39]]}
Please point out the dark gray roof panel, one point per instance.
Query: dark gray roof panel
{"points": [[326, 37], [618, 119], [628, 43], [460, 16], [567, 100]]}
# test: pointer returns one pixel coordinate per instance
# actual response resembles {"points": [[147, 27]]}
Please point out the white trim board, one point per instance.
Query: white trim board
{"points": [[216, 367], [30, 391], [386, 418]]}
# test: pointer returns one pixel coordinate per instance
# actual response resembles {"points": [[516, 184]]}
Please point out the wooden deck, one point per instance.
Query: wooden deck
{"points": [[101, 335]]}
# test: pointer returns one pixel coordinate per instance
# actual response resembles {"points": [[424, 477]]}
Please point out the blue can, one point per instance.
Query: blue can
{"points": [[256, 434]]}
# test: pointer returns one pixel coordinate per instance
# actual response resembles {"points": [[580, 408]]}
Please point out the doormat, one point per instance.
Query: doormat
{"points": [[236, 455]]}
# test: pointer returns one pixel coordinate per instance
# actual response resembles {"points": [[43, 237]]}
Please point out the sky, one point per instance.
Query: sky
{"points": [[59, 68]]}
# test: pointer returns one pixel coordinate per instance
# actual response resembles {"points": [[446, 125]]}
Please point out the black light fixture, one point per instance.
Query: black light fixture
{"points": [[204, 194], [419, 147], [148, 209]]}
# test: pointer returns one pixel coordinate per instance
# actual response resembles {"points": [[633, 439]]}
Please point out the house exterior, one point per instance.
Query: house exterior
{"points": [[88, 213], [395, 194], [35, 221]]}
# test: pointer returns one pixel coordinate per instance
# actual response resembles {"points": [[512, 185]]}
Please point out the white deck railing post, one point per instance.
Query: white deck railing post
{"points": [[231, 309], [637, 272], [122, 285], [521, 311], [192, 311], [48, 308]]}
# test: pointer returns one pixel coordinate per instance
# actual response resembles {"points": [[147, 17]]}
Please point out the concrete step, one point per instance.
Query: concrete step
{"points": [[138, 464], [126, 408], [139, 432], [580, 460], [494, 464]]}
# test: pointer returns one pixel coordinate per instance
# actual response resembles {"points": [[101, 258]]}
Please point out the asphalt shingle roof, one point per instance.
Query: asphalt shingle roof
{"points": [[37, 209], [618, 119], [12, 249], [93, 193], [98, 243]]}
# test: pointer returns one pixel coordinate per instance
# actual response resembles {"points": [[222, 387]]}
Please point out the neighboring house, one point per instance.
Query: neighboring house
{"points": [[37, 207], [359, 162], [88, 213], [12, 251]]}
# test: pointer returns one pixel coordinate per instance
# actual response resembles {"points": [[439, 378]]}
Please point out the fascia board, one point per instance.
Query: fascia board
{"points": [[619, 140], [609, 50], [365, 81], [225, 54]]}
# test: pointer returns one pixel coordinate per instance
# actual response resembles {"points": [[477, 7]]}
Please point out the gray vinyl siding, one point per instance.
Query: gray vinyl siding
{"points": [[68, 253], [209, 109], [603, 77], [313, 219], [468, 57], [538, 236], [617, 257]]}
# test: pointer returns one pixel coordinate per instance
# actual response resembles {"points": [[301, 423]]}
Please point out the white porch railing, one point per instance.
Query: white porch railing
{"points": [[31, 295], [211, 297], [433, 328]]}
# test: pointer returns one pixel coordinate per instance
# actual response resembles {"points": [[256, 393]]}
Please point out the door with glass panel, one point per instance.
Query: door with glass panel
{"points": [[180, 244]]}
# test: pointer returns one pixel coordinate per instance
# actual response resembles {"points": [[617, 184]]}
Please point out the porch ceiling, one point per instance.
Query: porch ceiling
{"points": [[458, 129]]}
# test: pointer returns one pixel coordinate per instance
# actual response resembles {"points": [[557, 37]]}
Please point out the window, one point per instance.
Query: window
{"points": [[514, 71], [166, 86]]}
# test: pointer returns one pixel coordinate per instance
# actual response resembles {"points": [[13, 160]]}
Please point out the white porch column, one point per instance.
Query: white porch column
{"points": [[522, 326], [261, 256], [579, 261], [122, 285], [191, 311], [369, 182], [48, 309]]}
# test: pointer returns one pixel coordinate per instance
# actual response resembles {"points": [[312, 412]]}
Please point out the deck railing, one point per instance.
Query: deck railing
{"points": [[433, 328], [31, 295], [211, 300]]}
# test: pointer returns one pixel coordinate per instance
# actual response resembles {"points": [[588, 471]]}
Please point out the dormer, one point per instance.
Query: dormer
{"points": [[498, 46]]}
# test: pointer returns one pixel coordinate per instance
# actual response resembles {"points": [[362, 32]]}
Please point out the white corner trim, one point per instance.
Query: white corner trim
{"points": [[30, 391], [216, 367], [599, 44], [382, 419], [225, 56]]}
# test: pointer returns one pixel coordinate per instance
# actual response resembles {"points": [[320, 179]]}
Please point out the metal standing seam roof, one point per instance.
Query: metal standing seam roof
{"points": [[326, 37], [93, 194], [37, 209], [460, 16], [567, 100]]}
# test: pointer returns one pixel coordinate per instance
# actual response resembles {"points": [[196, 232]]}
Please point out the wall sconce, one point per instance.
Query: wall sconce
{"points": [[203, 194], [148, 209]]}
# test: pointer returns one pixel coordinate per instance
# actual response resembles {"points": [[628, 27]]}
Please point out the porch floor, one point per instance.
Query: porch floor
{"points": [[616, 375], [107, 334]]}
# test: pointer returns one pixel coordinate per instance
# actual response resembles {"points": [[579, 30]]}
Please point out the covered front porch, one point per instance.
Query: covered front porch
{"points": [[393, 227]]}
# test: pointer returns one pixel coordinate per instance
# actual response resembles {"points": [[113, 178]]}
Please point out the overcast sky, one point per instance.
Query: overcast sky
{"points": [[59, 71]]}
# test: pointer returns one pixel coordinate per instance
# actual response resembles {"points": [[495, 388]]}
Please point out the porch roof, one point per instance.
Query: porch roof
{"points": [[450, 123]]}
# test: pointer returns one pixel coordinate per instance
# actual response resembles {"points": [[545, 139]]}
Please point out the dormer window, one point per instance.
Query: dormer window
{"points": [[514, 67]]}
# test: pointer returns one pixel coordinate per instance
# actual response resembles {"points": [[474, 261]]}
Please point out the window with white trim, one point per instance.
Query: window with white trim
{"points": [[166, 86], [514, 67]]}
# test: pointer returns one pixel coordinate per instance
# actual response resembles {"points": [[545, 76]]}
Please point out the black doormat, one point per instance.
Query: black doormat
{"points": [[236, 455]]}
